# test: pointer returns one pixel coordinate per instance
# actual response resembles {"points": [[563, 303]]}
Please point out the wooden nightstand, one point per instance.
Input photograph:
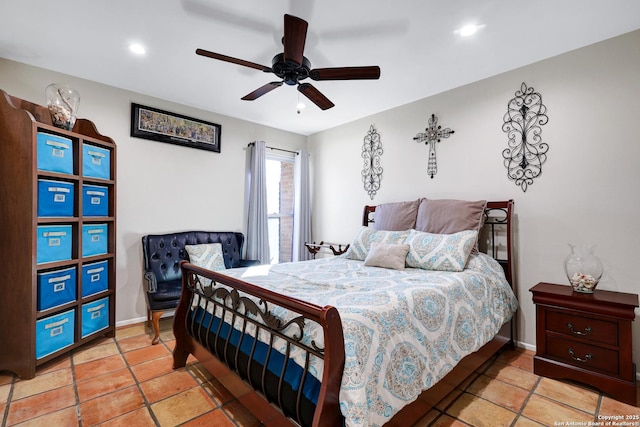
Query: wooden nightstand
{"points": [[586, 338]]}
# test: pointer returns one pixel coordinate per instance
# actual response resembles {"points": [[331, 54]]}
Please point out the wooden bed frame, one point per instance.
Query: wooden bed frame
{"points": [[222, 359]]}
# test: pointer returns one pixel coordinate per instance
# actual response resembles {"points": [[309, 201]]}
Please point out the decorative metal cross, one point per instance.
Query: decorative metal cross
{"points": [[433, 134]]}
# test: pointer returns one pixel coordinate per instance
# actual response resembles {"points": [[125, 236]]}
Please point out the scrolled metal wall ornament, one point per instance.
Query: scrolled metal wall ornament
{"points": [[372, 171], [526, 153]]}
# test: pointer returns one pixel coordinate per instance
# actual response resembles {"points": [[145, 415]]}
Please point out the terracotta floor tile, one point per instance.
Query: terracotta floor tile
{"points": [[428, 418], [40, 404], [111, 405], [41, 383], [200, 372], [4, 392], [547, 412], [512, 375], [134, 343], [89, 353], [67, 417], [498, 392], [446, 421], [520, 358], [137, 418], [239, 413], [130, 331], [526, 422], [610, 406], [145, 354], [215, 418], [446, 401], [479, 412], [218, 392], [153, 368], [99, 367], [571, 395], [182, 407], [192, 396], [104, 384], [160, 388], [61, 362], [5, 378]]}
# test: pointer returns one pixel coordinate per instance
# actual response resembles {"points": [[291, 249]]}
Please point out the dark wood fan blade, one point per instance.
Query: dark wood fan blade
{"points": [[315, 96], [346, 73], [261, 91], [295, 35], [226, 58]]}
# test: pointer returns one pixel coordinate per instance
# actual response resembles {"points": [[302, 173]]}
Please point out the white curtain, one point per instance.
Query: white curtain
{"points": [[302, 209], [257, 231]]}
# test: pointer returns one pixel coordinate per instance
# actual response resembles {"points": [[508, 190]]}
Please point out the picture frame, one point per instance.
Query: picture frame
{"points": [[163, 126]]}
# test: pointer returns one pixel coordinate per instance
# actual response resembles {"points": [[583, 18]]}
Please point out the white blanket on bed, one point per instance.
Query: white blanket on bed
{"points": [[403, 330]]}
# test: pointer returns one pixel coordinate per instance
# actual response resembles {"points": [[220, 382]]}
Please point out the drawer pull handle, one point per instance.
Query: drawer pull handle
{"points": [[587, 357], [587, 330]]}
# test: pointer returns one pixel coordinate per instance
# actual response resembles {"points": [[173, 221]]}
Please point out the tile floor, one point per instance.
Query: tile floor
{"points": [[127, 382]]}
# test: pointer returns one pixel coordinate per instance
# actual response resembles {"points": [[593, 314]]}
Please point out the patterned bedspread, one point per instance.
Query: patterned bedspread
{"points": [[403, 330]]}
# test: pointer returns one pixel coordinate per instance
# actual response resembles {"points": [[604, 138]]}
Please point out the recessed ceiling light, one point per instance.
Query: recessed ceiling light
{"points": [[468, 30], [137, 48]]}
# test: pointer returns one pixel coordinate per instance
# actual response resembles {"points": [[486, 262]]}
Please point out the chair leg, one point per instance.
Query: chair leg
{"points": [[156, 315]]}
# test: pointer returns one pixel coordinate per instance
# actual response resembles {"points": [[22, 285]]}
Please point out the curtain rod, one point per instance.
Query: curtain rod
{"points": [[274, 148]]}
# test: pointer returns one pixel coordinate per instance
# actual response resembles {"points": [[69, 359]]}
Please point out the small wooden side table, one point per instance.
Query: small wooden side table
{"points": [[586, 338], [314, 248]]}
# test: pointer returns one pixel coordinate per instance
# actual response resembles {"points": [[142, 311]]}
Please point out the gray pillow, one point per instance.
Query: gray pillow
{"points": [[447, 216], [387, 255], [396, 216]]}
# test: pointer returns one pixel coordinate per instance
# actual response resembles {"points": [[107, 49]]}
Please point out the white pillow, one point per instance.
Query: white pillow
{"points": [[387, 255], [441, 252], [359, 248], [208, 255]]}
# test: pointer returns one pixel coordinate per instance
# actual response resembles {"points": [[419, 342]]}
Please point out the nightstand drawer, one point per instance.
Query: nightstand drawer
{"points": [[595, 330], [583, 355]]}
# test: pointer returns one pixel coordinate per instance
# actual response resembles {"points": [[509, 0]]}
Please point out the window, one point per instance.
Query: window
{"points": [[280, 204]]}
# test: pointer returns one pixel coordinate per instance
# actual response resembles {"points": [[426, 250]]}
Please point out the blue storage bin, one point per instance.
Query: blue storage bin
{"points": [[95, 316], [55, 198], [54, 333], [95, 278], [53, 243], [94, 239], [56, 288], [96, 162], [55, 153], [95, 200]]}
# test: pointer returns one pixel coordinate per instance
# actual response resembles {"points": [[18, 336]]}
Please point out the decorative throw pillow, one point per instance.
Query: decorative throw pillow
{"points": [[441, 252], [359, 248], [396, 216], [207, 255], [387, 255]]}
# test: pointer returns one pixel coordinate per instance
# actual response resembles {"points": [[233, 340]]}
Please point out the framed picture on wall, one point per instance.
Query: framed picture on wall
{"points": [[158, 125]]}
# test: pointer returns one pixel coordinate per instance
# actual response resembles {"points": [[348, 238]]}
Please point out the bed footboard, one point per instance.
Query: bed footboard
{"points": [[233, 320]]}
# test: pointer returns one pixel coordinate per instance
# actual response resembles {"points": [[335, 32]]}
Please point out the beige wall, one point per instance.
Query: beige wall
{"points": [[161, 187], [587, 191]]}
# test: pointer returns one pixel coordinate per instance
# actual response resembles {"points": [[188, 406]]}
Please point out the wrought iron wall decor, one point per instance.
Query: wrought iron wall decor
{"points": [[526, 153], [433, 133], [372, 171]]}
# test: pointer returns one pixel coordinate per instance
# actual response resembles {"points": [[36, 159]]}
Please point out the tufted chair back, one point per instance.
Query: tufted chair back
{"points": [[162, 254]]}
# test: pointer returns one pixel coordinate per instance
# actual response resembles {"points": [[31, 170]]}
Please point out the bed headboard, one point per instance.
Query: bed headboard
{"points": [[495, 237]]}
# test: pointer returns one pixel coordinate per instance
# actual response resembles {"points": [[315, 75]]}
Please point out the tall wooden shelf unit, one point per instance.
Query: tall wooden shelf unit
{"points": [[20, 225]]}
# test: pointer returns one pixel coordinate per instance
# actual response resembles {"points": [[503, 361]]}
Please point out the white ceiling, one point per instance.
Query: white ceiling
{"points": [[412, 41]]}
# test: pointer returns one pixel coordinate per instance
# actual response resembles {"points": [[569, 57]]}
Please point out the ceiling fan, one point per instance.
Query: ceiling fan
{"points": [[291, 66]]}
